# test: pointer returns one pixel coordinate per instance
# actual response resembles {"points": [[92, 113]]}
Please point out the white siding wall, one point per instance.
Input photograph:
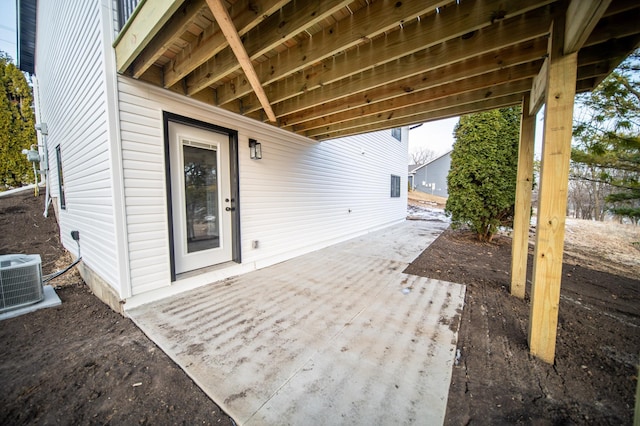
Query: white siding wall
{"points": [[296, 199], [70, 69]]}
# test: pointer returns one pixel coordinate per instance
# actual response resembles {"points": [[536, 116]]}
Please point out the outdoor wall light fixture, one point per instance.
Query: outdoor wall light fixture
{"points": [[255, 149]]}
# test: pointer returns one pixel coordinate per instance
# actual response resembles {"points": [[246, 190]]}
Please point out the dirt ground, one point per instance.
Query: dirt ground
{"points": [[593, 379], [81, 363]]}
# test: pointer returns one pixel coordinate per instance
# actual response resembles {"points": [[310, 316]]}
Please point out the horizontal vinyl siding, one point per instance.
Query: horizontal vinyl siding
{"points": [[73, 103], [299, 194], [434, 172], [296, 199], [144, 188]]}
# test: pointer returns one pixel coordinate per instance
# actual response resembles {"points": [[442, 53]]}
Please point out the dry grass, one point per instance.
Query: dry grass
{"points": [[605, 246], [426, 200]]}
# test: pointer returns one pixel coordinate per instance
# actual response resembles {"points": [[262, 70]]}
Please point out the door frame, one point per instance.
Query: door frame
{"points": [[234, 181]]}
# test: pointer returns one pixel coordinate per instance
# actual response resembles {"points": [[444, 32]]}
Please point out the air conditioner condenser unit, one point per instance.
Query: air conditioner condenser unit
{"points": [[20, 281]]}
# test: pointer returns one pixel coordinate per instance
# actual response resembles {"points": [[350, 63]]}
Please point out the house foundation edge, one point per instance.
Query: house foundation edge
{"points": [[101, 289]]}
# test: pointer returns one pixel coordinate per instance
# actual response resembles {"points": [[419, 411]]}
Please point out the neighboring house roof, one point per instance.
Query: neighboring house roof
{"points": [[411, 169], [418, 167], [26, 20]]}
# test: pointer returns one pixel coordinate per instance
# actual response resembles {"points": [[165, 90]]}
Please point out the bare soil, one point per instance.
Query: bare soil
{"points": [[496, 380], [81, 363]]}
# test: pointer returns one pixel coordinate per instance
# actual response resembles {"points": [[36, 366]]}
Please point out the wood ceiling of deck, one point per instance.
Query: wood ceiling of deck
{"points": [[335, 68]]}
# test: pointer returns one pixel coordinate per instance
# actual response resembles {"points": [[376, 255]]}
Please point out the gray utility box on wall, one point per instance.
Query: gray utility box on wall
{"points": [[20, 281]]}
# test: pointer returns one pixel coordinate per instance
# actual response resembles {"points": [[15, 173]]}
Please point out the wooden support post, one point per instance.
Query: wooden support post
{"points": [[552, 198], [522, 214]]}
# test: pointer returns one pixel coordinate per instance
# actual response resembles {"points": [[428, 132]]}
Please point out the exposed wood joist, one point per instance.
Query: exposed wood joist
{"points": [[439, 109], [266, 36], [453, 111], [464, 98], [614, 27], [538, 21], [443, 60], [414, 37], [366, 82], [174, 28], [615, 48], [233, 38], [582, 17], [150, 17], [444, 91], [375, 19], [246, 15], [357, 105], [324, 64]]}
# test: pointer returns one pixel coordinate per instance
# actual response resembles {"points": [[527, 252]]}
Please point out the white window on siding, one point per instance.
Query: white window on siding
{"points": [[63, 203], [395, 186], [397, 133]]}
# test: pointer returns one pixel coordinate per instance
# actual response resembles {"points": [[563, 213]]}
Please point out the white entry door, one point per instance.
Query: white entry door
{"points": [[201, 197]]}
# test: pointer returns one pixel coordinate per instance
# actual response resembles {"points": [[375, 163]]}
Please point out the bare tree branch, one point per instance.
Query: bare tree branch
{"points": [[422, 156]]}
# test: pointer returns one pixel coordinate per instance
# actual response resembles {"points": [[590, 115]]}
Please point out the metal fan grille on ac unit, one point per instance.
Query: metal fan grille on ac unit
{"points": [[20, 281]]}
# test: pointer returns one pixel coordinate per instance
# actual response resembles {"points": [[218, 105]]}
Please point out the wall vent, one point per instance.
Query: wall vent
{"points": [[20, 281]]}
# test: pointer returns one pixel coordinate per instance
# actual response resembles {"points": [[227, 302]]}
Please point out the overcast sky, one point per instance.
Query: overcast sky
{"points": [[8, 27], [438, 136]]}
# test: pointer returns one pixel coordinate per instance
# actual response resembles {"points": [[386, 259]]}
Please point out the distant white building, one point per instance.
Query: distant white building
{"points": [[431, 178]]}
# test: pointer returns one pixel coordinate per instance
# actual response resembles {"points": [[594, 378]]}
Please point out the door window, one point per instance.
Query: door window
{"points": [[201, 198]]}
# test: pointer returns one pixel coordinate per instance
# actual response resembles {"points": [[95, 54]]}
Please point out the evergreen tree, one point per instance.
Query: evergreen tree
{"points": [[482, 178], [607, 138], [17, 131]]}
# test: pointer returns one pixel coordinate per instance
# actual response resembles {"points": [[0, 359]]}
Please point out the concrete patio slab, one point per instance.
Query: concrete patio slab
{"points": [[338, 336]]}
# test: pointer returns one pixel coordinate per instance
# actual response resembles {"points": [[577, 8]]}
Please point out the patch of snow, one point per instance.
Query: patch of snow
{"points": [[426, 213]]}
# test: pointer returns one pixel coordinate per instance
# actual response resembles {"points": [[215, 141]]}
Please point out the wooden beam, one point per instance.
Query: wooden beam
{"points": [[621, 6], [233, 38], [487, 83], [538, 89], [453, 21], [173, 30], [147, 20], [522, 214], [455, 111], [582, 17], [246, 15], [497, 91], [388, 98], [492, 39], [552, 198], [339, 96], [269, 34], [414, 37], [614, 27]]}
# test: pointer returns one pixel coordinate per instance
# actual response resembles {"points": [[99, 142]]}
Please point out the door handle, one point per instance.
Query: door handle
{"points": [[229, 209]]}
